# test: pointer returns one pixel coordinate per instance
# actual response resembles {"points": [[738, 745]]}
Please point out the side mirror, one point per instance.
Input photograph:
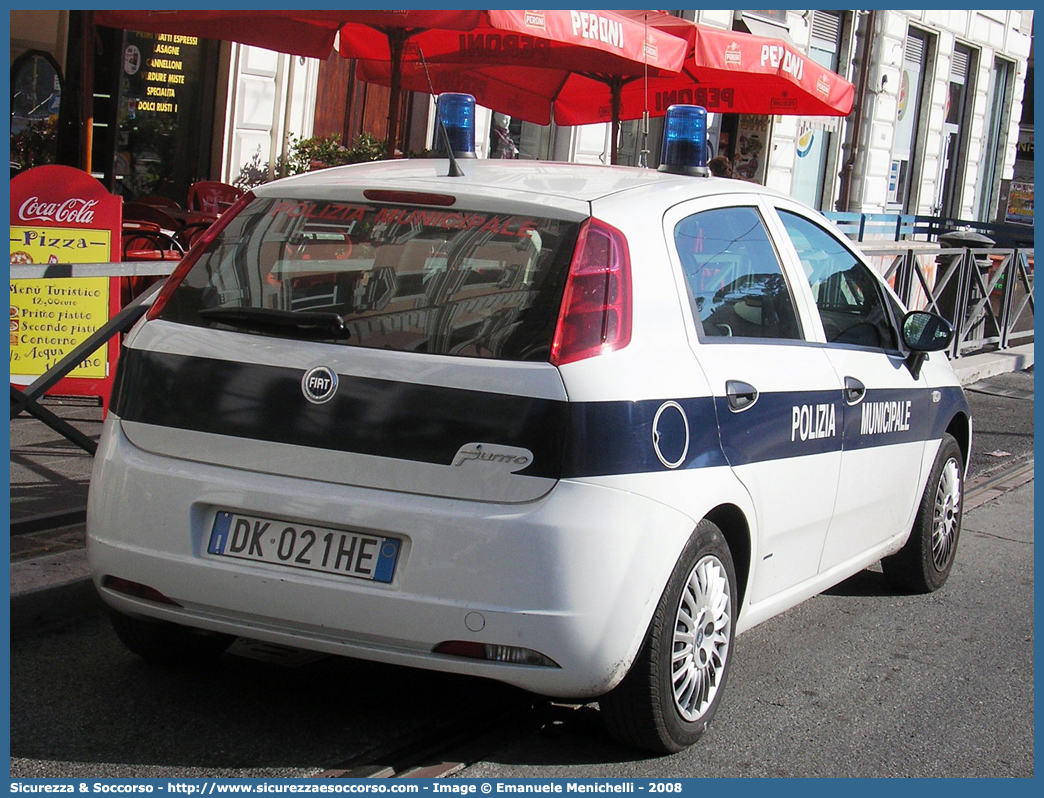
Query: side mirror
{"points": [[924, 332]]}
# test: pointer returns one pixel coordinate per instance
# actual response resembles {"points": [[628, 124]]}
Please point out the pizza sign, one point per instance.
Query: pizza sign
{"points": [[62, 215]]}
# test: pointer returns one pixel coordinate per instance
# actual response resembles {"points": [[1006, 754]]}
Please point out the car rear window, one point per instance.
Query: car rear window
{"points": [[473, 283]]}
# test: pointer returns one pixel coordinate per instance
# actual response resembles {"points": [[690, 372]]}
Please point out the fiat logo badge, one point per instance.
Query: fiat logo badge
{"points": [[319, 385]]}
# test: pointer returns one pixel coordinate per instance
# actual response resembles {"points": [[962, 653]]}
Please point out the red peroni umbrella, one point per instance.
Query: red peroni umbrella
{"points": [[724, 71], [563, 42], [730, 72], [591, 56], [595, 42]]}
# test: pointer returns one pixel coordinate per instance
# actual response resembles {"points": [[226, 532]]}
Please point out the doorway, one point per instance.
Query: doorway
{"points": [[955, 133], [909, 112]]}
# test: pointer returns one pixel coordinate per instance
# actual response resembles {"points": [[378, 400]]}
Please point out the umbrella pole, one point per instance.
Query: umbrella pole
{"points": [[615, 90], [396, 45]]}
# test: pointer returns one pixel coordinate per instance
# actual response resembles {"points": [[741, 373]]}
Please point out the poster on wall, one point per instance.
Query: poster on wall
{"points": [[752, 137], [61, 215], [1020, 204]]}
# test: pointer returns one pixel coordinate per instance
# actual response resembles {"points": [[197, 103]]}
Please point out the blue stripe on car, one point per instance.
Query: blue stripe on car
{"points": [[385, 418], [429, 424]]}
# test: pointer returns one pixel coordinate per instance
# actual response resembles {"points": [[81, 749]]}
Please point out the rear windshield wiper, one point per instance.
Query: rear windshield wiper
{"points": [[307, 323]]}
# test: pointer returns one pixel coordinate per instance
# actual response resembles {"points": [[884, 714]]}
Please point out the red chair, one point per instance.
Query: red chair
{"points": [[212, 196], [133, 225], [192, 230], [145, 241], [139, 212], [159, 202]]}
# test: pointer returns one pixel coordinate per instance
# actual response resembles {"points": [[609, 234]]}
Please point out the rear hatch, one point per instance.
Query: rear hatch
{"points": [[396, 340]]}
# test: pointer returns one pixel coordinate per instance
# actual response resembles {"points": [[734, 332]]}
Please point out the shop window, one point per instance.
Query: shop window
{"points": [[36, 96]]}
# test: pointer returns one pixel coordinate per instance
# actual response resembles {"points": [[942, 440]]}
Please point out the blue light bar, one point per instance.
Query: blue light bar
{"points": [[457, 112], [684, 150]]}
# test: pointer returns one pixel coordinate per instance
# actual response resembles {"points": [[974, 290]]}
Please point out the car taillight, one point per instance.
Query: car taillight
{"points": [[194, 253], [596, 308]]}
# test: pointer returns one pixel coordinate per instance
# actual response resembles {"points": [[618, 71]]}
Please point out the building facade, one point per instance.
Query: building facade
{"points": [[941, 111], [938, 127]]}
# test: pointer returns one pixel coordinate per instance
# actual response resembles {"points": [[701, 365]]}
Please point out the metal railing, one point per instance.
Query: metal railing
{"points": [[857, 226], [864, 227], [1011, 236], [27, 400], [987, 294]]}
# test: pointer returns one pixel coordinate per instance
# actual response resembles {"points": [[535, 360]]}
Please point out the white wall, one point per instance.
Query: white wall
{"points": [[992, 33], [40, 30], [271, 96]]}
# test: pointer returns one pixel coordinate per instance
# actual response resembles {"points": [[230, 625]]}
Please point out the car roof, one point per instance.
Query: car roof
{"points": [[567, 181]]}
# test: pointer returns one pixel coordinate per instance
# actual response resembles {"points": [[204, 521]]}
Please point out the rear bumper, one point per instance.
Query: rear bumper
{"points": [[575, 575]]}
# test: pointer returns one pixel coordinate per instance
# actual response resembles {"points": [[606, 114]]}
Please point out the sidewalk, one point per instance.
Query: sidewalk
{"points": [[49, 481]]}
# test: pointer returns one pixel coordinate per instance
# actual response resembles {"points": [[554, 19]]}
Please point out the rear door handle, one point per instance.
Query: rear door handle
{"points": [[854, 391], [741, 395]]}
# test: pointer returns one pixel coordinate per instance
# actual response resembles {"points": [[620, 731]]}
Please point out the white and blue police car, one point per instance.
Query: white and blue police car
{"points": [[569, 427]]}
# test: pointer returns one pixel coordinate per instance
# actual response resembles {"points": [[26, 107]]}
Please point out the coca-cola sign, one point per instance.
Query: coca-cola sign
{"points": [[73, 210], [59, 199]]}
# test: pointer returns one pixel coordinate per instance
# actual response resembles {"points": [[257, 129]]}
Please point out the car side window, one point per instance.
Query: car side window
{"points": [[849, 298], [734, 275]]}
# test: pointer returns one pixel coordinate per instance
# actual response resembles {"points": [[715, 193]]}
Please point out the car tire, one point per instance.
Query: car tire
{"points": [[166, 643], [924, 563], [674, 686]]}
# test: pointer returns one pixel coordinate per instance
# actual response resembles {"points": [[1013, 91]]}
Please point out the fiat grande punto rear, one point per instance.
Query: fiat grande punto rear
{"points": [[572, 428]]}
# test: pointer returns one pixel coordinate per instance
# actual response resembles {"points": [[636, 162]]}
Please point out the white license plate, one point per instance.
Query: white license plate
{"points": [[313, 548]]}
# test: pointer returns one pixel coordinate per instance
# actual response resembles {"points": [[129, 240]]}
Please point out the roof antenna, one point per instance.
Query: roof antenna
{"points": [[454, 167], [643, 158]]}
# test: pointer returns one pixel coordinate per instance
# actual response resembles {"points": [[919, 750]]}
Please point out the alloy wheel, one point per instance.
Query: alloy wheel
{"points": [[702, 635], [947, 514]]}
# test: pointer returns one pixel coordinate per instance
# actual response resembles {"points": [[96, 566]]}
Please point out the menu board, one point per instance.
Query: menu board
{"points": [[62, 215], [161, 69], [50, 318], [161, 114]]}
